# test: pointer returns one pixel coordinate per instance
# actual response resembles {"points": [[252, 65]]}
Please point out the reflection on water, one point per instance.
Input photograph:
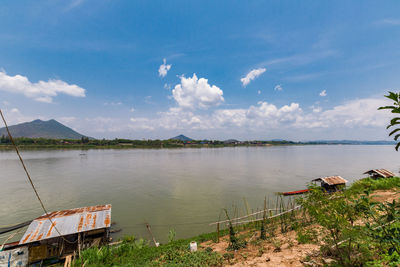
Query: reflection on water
{"points": [[171, 187]]}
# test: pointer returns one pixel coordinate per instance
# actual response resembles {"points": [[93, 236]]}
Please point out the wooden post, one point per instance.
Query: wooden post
{"points": [[154, 239], [79, 244], [217, 232]]}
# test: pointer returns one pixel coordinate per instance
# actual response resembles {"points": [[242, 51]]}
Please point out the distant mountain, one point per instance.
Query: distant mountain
{"points": [[181, 138], [39, 128]]}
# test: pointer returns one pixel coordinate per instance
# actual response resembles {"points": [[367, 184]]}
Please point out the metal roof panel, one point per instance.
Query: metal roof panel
{"points": [[68, 222]]}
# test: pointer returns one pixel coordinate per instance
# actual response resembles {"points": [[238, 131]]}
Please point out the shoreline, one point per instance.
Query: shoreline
{"points": [[187, 146]]}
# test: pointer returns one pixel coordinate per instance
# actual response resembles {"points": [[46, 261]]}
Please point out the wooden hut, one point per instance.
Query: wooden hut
{"points": [[68, 232], [379, 173], [331, 183]]}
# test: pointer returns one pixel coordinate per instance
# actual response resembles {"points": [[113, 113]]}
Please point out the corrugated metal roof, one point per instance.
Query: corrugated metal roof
{"points": [[381, 172], [68, 222], [332, 180]]}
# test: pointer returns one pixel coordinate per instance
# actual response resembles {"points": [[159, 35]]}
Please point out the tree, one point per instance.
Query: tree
{"points": [[396, 120]]}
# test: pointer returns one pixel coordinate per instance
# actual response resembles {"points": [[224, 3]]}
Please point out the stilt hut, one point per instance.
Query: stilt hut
{"points": [[379, 173], [68, 232], [331, 183]]}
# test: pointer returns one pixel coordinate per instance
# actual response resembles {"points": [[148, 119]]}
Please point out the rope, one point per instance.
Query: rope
{"points": [[8, 238], [30, 180]]}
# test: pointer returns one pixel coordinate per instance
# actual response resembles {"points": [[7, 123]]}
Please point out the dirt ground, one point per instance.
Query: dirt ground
{"points": [[283, 249], [385, 195]]}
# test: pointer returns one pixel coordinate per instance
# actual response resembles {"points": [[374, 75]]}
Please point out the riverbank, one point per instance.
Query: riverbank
{"points": [[85, 143], [357, 226]]}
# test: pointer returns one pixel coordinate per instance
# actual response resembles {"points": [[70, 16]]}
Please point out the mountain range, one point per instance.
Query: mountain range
{"points": [[38, 128]]}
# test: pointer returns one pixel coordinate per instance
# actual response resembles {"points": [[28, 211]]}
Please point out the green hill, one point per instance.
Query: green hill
{"points": [[181, 138], [39, 128]]}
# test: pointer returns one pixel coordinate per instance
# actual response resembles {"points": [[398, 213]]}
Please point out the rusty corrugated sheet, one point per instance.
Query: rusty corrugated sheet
{"points": [[381, 172], [68, 222], [332, 180]]}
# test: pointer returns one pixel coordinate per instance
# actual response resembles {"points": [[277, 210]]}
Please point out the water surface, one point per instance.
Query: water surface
{"points": [[173, 188]]}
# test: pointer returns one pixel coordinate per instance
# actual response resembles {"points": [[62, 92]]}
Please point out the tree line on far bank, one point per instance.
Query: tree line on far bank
{"points": [[85, 141]]}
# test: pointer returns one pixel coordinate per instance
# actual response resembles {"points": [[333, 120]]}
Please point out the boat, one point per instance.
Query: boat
{"points": [[297, 192]]}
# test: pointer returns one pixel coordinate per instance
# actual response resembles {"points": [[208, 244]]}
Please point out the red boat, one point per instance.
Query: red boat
{"points": [[298, 192]]}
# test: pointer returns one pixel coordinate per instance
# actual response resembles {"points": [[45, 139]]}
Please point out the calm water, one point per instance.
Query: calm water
{"points": [[174, 188]]}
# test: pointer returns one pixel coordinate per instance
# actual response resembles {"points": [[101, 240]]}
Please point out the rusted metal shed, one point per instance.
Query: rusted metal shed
{"points": [[68, 222], [79, 228], [331, 183], [380, 173]]}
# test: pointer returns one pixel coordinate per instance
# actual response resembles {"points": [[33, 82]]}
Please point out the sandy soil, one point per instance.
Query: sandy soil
{"points": [[283, 249], [386, 195]]}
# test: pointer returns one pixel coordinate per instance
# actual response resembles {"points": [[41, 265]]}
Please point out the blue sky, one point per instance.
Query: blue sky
{"points": [[299, 70]]}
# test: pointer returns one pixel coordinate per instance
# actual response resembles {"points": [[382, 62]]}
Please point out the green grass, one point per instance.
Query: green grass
{"points": [[371, 184], [136, 253]]}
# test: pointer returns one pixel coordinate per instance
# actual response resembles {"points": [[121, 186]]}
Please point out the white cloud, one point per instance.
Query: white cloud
{"points": [[253, 74], [67, 119], [112, 103], [164, 68], [41, 91], [147, 100], [323, 93], [359, 112], [73, 4], [389, 21], [197, 93], [266, 116], [278, 87], [316, 109]]}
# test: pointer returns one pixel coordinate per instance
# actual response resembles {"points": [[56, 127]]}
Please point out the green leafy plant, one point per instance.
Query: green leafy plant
{"points": [[306, 236], [171, 235], [396, 120], [235, 243]]}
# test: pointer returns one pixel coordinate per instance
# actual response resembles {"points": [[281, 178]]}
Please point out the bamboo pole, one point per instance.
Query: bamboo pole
{"points": [[239, 218], [154, 239], [274, 216], [217, 232]]}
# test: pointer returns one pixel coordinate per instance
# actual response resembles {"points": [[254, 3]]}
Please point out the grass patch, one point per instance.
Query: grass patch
{"points": [[374, 184]]}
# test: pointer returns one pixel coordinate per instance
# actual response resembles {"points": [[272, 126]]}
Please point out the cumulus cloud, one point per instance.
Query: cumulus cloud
{"points": [[195, 93], [164, 68], [278, 87], [323, 93], [252, 75], [359, 112], [41, 91], [266, 116]]}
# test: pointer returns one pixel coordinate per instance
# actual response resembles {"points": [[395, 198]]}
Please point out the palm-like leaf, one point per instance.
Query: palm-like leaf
{"points": [[395, 121]]}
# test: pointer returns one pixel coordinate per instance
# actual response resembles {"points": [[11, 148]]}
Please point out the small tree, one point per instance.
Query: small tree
{"points": [[396, 120]]}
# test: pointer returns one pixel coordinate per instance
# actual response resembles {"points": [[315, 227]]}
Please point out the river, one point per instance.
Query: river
{"points": [[180, 189]]}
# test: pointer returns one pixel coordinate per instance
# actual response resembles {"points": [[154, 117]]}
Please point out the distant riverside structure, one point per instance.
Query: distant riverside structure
{"points": [[331, 183], [379, 173]]}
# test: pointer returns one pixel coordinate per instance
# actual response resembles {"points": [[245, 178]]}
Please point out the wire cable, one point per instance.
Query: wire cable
{"points": [[30, 180]]}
